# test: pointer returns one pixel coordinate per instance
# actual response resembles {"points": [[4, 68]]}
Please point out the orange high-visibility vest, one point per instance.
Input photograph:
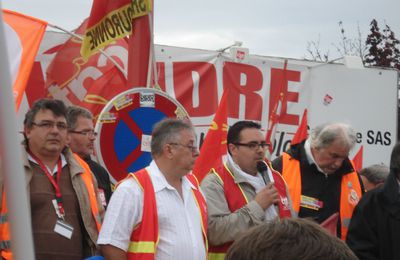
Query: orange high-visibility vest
{"points": [[87, 178], [145, 236], [236, 199], [349, 196]]}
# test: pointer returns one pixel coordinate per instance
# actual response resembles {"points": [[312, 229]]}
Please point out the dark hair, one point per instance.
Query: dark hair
{"points": [[376, 173], [235, 130], [54, 105], [395, 160], [167, 131], [289, 239], [73, 112]]}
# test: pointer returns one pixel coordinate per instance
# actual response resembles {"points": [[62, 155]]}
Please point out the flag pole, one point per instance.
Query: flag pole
{"points": [[11, 167]]}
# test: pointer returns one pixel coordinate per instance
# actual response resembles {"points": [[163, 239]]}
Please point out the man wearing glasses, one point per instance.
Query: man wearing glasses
{"points": [[322, 180], [159, 212], [65, 211], [81, 136], [241, 194]]}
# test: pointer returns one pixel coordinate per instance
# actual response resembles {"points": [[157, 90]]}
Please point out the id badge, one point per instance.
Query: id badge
{"points": [[102, 196], [63, 228]]}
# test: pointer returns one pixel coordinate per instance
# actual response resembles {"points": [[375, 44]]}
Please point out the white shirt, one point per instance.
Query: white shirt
{"points": [[51, 171], [310, 157], [179, 220], [258, 183]]}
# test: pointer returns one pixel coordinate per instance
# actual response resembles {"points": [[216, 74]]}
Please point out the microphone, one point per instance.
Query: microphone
{"points": [[262, 168]]}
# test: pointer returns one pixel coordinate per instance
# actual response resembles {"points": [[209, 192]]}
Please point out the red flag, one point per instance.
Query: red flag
{"points": [[275, 113], [358, 159], [89, 83], [139, 52], [330, 224], [110, 21], [302, 131], [214, 145], [23, 35]]}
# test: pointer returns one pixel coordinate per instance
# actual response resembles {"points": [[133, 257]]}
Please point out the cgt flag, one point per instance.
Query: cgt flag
{"points": [[214, 145], [111, 20], [23, 35]]}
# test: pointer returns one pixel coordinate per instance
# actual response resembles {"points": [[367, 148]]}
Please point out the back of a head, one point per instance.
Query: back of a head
{"points": [[324, 135], [376, 173], [395, 160], [289, 239]]}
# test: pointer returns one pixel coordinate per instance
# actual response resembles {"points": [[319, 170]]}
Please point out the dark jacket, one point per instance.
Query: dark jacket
{"points": [[317, 185], [374, 231]]}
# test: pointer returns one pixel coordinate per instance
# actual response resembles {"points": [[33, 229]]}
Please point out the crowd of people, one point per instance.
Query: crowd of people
{"points": [[245, 208]]}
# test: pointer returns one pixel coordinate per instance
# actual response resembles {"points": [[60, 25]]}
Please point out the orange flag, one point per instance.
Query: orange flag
{"points": [[23, 37], [302, 131], [214, 145], [358, 159]]}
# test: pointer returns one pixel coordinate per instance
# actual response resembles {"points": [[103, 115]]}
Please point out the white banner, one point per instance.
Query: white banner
{"points": [[366, 98]]}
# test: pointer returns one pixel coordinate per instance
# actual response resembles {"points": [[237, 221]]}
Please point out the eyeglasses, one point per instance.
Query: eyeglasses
{"points": [[89, 133], [191, 147], [254, 145], [50, 125]]}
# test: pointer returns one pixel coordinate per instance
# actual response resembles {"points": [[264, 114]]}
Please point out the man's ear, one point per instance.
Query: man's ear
{"points": [[167, 151], [232, 148], [27, 132]]}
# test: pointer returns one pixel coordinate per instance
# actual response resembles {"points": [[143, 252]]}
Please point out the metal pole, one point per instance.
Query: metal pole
{"points": [[11, 166]]}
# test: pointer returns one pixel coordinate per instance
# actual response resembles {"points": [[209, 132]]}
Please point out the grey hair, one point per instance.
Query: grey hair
{"points": [[325, 134], [73, 112], [167, 131], [376, 173]]}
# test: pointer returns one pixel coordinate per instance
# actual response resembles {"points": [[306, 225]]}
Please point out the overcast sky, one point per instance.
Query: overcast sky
{"points": [[266, 27]]}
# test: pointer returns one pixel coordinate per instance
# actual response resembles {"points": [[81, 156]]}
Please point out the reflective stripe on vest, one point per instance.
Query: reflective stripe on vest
{"points": [[144, 238], [232, 191], [201, 206], [349, 196], [4, 225], [235, 198], [88, 181]]}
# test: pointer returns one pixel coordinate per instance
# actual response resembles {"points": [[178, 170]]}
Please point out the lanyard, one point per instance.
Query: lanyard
{"points": [[55, 184]]}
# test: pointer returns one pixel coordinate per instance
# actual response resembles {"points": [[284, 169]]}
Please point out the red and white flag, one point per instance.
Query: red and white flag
{"points": [[214, 145], [88, 82], [110, 21], [23, 35]]}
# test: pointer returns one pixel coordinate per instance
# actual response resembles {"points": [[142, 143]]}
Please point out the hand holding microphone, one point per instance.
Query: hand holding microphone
{"points": [[268, 195]]}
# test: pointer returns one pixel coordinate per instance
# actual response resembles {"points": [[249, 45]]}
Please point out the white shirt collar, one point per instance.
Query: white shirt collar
{"points": [[54, 170], [160, 182], [310, 157], [250, 178]]}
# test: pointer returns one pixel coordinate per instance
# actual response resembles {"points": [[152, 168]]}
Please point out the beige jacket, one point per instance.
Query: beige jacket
{"points": [[223, 225]]}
